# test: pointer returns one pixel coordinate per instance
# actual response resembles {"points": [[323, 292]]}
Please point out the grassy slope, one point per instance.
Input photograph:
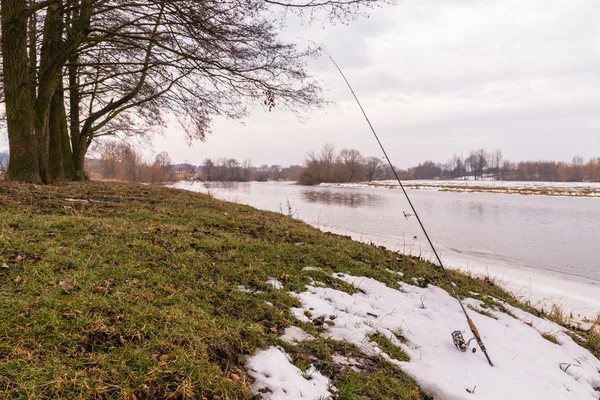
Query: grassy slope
{"points": [[136, 295]]}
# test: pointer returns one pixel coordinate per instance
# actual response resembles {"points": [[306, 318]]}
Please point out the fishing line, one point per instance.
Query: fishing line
{"points": [[437, 257]]}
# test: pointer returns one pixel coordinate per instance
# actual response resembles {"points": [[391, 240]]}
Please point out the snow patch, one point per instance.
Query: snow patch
{"points": [[245, 289], [395, 272], [312, 269], [351, 362], [276, 378], [527, 366], [275, 283], [293, 334]]}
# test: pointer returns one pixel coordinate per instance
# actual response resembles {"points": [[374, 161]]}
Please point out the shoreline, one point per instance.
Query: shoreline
{"points": [[571, 294], [539, 287], [533, 188]]}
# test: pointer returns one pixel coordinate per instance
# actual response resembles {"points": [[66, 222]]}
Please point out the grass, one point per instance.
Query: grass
{"points": [[386, 345], [134, 295], [550, 337], [370, 377]]}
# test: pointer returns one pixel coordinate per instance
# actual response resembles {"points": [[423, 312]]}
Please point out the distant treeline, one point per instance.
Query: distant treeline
{"points": [[230, 169], [124, 162], [349, 165], [480, 164]]}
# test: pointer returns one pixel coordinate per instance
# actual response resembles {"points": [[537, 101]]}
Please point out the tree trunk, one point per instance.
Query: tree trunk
{"points": [[60, 154], [50, 77], [23, 164], [77, 141], [33, 56], [79, 151]]}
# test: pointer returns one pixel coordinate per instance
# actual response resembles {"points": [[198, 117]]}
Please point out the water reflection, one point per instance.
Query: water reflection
{"points": [[341, 198], [243, 187]]}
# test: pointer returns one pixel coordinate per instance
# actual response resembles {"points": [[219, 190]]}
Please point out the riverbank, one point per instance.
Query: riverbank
{"points": [[114, 290], [570, 189], [518, 241]]}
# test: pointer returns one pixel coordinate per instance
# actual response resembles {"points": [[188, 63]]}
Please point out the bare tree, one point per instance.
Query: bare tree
{"points": [[161, 168], [373, 168], [496, 162], [327, 158], [352, 161], [208, 168], [110, 153]]}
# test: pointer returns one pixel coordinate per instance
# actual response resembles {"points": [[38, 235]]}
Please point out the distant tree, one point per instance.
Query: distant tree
{"points": [[275, 171], [578, 163], [161, 168], [426, 170], [207, 169], [246, 171], [111, 152], [327, 158], [263, 173], [373, 168], [496, 162], [352, 161]]}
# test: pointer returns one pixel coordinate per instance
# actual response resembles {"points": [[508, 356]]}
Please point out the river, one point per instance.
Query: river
{"points": [[543, 248]]}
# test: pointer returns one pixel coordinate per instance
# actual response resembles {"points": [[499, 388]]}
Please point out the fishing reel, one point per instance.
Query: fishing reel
{"points": [[460, 343]]}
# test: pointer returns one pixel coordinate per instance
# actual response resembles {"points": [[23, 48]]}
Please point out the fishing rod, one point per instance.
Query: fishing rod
{"points": [[456, 336]]}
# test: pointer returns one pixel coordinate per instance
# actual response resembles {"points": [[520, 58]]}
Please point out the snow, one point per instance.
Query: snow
{"points": [[312, 269], [527, 366], [244, 289], [275, 283], [277, 378], [293, 334], [395, 272]]}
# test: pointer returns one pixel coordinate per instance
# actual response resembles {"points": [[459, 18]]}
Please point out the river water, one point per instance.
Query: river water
{"points": [[544, 248]]}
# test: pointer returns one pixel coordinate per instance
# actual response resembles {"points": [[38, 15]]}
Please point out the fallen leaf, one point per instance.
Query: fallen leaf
{"points": [[272, 329], [66, 286], [16, 259], [235, 377], [413, 262], [4, 266], [330, 323]]}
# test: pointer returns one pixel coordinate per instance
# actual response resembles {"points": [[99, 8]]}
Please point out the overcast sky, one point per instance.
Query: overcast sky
{"points": [[437, 78]]}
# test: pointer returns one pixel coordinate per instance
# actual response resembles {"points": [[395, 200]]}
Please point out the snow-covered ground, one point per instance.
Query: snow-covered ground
{"points": [[580, 189], [526, 365]]}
